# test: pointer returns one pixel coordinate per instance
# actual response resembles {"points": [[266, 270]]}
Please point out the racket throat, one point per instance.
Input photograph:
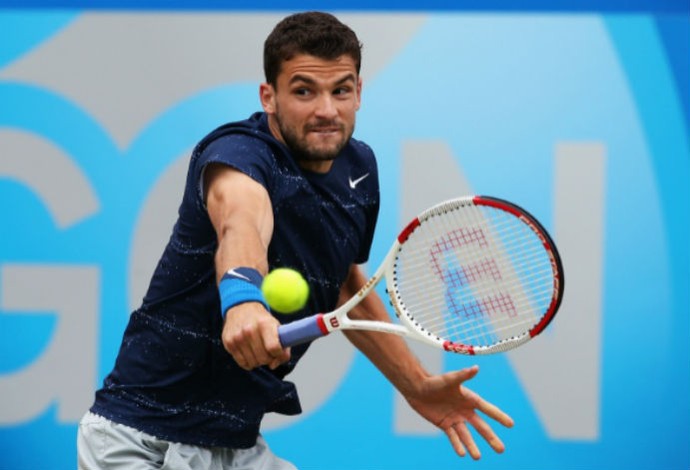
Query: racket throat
{"points": [[458, 348], [327, 323]]}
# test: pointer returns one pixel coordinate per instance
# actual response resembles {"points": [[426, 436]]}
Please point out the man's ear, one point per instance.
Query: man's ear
{"points": [[267, 96]]}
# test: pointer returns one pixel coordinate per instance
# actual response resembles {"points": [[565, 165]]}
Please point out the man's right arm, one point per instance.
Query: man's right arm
{"points": [[241, 213]]}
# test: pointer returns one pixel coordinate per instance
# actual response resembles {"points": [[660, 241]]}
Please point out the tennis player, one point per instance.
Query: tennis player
{"points": [[200, 363]]}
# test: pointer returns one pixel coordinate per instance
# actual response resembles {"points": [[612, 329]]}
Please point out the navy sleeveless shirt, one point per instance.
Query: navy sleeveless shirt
{"points": [[172, 378]]}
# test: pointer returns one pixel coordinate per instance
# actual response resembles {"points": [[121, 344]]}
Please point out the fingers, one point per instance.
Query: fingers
{"points": [[462, 441], [260, 346], [252, 339], [464, 375], [482, 405], [495, 413], [240, 344], [468, 406], [487, 433], [455, 441], [468, 440], [469, 372], [271, 343]]}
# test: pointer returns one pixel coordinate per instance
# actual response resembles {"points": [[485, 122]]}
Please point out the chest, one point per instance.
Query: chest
{"points": [[322, 225]]}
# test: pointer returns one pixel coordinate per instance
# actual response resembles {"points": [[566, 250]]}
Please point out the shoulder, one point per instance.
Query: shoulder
{"points": [[249, 135], [246, 146], [361, 148], [361, 154]]}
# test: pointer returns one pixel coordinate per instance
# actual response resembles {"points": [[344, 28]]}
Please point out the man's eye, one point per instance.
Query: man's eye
{"points": [[302, 91]]}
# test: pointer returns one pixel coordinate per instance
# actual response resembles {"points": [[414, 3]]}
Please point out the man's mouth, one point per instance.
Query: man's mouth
{"points": [[324, 129]]}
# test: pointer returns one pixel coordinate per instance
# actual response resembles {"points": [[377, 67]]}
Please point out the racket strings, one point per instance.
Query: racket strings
{"points": [[471, 328], [474, 271], [474, 276]]}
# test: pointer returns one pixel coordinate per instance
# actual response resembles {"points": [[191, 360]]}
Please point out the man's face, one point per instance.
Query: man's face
{"points": [[312, 107]]}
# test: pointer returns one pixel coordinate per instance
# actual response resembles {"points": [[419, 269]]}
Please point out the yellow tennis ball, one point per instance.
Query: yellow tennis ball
{"points": [[285, 290]]}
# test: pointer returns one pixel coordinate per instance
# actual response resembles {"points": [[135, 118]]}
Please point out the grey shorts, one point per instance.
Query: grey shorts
{"points": [[103, 444]]}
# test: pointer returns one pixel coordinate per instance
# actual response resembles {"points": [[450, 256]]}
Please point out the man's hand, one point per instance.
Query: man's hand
{"points": [[250, 335], [447, 403], [441, 399]]}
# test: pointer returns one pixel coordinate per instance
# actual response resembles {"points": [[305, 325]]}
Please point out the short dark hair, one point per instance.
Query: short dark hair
{"points": [[314, 33]]}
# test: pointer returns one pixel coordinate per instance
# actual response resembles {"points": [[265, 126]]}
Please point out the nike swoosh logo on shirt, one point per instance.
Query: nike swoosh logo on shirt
{"points": [[354, 183]]}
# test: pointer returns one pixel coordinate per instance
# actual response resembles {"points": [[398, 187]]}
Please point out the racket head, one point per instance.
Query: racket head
{"points": [[476, 275]]}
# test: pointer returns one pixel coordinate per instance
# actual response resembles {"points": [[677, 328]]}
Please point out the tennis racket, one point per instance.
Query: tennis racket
{"points": [[473, 275]]}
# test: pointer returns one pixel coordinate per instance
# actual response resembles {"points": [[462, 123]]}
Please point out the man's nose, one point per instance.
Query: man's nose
{"points": [[325, 106]]}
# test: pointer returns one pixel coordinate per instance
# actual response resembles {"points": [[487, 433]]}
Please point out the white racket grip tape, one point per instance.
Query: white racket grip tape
{"points": [[302, 331]]}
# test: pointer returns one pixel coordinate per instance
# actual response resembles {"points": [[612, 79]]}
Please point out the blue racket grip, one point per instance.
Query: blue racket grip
{"points": [[302, 331]]}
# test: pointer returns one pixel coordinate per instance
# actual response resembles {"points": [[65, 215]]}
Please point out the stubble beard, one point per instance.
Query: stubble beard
{"points": [[303, 151]]}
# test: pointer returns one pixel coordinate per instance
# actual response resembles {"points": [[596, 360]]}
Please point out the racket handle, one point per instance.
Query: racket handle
{"points": [[302, 331]]}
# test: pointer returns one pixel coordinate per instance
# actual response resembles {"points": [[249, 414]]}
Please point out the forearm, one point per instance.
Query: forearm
{"points": [[240, 245], [241, 213], [388, 352]]}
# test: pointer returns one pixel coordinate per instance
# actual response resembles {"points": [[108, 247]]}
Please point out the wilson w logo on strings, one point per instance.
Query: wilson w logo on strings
{"points": [[463, 261]]}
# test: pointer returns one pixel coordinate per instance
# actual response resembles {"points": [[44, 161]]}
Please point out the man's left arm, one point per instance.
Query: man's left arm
{"points": [[441, 399]]}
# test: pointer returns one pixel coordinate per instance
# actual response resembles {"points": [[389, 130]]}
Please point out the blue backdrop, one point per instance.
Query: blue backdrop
{"points": [[578, 111]]}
